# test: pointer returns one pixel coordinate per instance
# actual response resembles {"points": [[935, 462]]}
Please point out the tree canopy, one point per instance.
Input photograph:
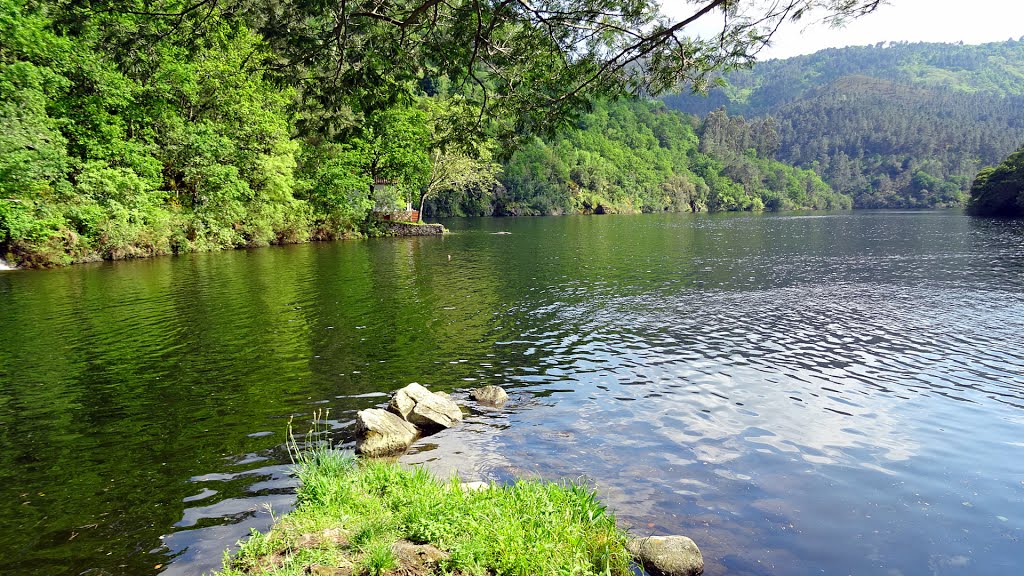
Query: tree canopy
{"points": [[526, 64]]}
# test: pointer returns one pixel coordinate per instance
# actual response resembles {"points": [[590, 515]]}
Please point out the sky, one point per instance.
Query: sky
{"points": [[969, 21]]}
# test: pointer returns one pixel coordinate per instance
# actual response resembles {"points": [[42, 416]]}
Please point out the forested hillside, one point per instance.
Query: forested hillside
{"points": [[130, 129], [907, 125], [639, 156]]}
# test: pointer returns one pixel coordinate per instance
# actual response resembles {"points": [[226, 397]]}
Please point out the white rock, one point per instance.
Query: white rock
{"points": [[424, 409], [381, 433]]}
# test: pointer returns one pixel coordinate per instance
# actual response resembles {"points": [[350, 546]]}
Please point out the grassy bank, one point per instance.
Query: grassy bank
{"points": [[375, 518]]}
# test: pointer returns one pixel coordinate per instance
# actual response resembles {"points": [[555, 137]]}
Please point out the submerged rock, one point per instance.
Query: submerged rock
{"points": [[667, 555], [424, 409], [381, 433], [490, 395]]}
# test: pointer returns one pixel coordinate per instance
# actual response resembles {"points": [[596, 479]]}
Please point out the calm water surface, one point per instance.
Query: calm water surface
{"points": [[819, 394]]}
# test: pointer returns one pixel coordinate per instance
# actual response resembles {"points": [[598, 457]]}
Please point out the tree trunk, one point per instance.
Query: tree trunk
{"points": [[423, 198]]}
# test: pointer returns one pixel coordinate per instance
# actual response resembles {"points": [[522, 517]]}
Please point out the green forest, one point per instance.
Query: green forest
{"points": [[133, 129], [639, 156], [138, 129], [904, 125]]}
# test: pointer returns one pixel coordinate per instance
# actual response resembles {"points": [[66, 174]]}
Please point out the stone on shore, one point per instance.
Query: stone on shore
{"points": [[474, 486], [667, 555], [417, 558], [424, 409], [490, 395], [381, 433]]}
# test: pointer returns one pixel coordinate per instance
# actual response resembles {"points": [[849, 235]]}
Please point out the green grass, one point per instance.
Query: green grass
{"points": [[350, 514]]}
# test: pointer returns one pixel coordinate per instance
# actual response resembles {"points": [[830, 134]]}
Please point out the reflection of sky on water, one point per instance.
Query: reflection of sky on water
{"points": [[772, 425], [796, 404]]}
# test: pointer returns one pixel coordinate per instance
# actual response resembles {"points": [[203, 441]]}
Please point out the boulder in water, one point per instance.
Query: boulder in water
{"points": [[424, 409], [490, 395], [381, 433], [667, 555]]}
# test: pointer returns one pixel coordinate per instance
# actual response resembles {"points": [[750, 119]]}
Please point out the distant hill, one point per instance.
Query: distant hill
{"points": [[903, 125], [633, 156]]}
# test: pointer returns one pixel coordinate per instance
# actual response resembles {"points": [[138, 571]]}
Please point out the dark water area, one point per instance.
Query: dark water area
{"points": [[801, 394]]}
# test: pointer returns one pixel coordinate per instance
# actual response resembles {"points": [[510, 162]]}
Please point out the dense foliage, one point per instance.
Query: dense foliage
{"points": [[638, 156], [904, 125], [184, 147], [125, 135], [999, 191]]}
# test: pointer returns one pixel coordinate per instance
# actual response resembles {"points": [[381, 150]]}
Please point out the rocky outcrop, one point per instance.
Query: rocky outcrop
{"points": [[410, 229], [667, 555], [490, 395], [381, 433], [424, 409]]}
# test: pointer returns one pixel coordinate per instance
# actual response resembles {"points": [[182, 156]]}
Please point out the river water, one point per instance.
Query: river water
{"points": [[801, 394]]}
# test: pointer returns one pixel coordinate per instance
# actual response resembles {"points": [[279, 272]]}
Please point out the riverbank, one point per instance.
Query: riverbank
{"points": [[408, 229], [62, 253], [376, 517]]}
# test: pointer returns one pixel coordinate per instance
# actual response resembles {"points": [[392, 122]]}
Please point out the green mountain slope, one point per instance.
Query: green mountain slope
{"points": [[901, 126], [639, 156]]}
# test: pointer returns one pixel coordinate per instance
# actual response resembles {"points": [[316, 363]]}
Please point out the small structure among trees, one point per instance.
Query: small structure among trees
{"points": [[389, 204]]}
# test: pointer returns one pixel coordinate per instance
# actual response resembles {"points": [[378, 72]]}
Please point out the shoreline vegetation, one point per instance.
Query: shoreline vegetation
{"points": [[375, 517]]}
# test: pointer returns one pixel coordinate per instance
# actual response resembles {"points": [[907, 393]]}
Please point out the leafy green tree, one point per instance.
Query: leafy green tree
{"points": [[397, 144], [999, 191], [459, 173]]}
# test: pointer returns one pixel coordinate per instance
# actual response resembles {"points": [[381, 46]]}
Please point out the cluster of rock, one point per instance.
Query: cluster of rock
{"points": [[413, 411]]}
